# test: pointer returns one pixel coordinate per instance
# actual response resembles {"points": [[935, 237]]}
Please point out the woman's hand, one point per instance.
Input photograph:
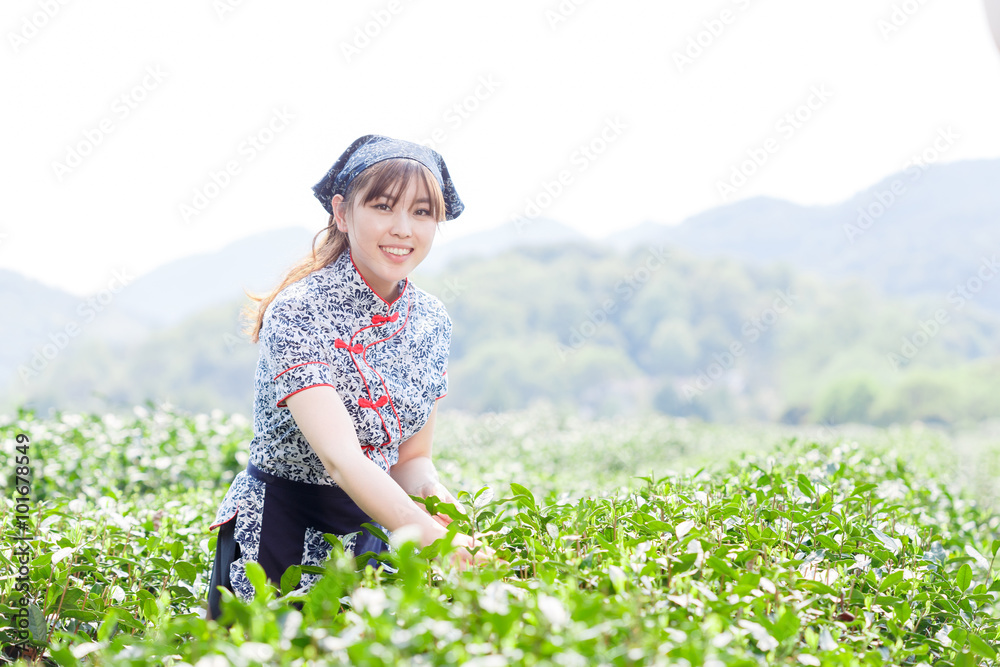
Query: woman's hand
{"points": [[416, 474], [462, 557], [437, 489]]}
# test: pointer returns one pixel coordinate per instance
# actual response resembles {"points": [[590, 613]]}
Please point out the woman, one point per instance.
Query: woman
{"points": [[353, 358]]}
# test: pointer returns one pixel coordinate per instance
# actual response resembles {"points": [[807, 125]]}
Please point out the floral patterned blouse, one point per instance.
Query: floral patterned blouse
{"points": [[387, 361]]}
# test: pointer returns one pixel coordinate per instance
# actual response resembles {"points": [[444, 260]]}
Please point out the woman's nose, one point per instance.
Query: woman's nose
{"points": [[402, 224]]}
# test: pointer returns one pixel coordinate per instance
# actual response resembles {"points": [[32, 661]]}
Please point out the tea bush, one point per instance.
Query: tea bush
{"points": [[617, 549]]}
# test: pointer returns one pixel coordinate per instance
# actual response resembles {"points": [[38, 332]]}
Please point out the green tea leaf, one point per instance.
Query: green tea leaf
{"points": [[256, 576], [805, 486], [902, 612], [964, 577], [186, 571], [978, 557], [376, 531], [890, 580], [618, 578], [965, 660], [721, 567], [522, 492], [61, 554], [979, 646], [890, 543], [483, 497], [787, 625], [290, 579], [37, 626], [683, 528]]}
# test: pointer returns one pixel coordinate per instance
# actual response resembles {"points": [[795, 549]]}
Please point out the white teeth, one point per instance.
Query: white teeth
{"points": [[397, 251]]}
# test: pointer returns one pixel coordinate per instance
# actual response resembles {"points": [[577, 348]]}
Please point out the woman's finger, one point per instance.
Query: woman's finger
{"points": [[446, 496]]}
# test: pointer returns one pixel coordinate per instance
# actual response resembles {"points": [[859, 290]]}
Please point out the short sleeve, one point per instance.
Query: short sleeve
{"points": [[442, 351], [290, 344]]}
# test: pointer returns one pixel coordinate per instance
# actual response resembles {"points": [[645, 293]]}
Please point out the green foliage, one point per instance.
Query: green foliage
{"points": [[848, 399], [783, 551], [607, 332]]}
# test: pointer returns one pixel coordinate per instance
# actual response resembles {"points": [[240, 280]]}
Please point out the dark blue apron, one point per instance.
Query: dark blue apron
{"points": [[289, 508]]}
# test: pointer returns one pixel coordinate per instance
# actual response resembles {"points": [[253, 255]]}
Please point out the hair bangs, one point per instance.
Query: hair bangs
{"points": [[390, 178]]}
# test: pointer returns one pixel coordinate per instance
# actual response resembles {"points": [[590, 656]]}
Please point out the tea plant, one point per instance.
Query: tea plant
{"points": [[781, 552]]}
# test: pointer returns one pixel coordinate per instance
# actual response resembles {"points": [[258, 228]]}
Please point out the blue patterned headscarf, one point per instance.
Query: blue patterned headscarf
{"points": [[372, 148]]}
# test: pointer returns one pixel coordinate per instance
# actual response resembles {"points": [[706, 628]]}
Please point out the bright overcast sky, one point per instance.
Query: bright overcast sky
{"points": [[118, 112]]}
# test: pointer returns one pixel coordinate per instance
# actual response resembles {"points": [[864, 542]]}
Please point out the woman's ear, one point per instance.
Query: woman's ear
{"points": [[338, 212]]}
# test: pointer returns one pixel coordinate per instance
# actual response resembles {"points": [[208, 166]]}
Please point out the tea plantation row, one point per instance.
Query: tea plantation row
{"points": [[616, 550]]}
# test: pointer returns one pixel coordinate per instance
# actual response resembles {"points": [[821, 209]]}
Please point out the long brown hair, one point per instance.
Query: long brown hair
{"points": [[388, 178]]}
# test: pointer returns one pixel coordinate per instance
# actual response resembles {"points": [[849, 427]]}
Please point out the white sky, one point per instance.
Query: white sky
{"points": [[557, 87]]}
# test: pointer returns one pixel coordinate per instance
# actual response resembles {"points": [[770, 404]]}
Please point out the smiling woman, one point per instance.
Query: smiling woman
{"points": [[353, 360], [392, 230]]}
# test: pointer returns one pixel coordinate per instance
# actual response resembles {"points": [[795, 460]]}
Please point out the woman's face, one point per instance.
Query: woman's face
{"points": [[388, 242]]}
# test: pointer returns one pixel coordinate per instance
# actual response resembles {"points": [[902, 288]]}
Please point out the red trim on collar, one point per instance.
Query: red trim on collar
{"points": [[406, 283]]}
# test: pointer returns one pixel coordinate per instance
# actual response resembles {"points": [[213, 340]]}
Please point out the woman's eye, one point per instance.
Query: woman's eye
{"points": [[383, 207], [423, 211]]}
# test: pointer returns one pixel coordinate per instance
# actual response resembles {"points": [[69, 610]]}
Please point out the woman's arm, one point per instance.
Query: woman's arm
{"points": [[323, 420], [415, 471]]}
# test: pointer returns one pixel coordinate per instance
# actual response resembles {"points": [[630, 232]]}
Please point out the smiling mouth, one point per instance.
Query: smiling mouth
{"points": [[398, 252]]}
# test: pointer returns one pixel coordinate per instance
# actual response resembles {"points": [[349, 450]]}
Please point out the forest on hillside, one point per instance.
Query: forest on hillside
{"points": [[610, 332]]}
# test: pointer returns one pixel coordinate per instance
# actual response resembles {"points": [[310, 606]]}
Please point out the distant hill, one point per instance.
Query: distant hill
{"points": [[174, 332], [47, 317], [43, 322], [492, 242], [928, 239], [175, 291], [615, 333]]}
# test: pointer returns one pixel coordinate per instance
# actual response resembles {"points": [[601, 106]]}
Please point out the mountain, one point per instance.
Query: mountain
{"points": [[175, 291], [40, 323], [492, 242], [922, 231], [46, 322], [918, 236], [614, 333]]}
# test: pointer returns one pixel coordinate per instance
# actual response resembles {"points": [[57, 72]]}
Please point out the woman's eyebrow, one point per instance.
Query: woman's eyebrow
{"points": [[422, 200]]}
